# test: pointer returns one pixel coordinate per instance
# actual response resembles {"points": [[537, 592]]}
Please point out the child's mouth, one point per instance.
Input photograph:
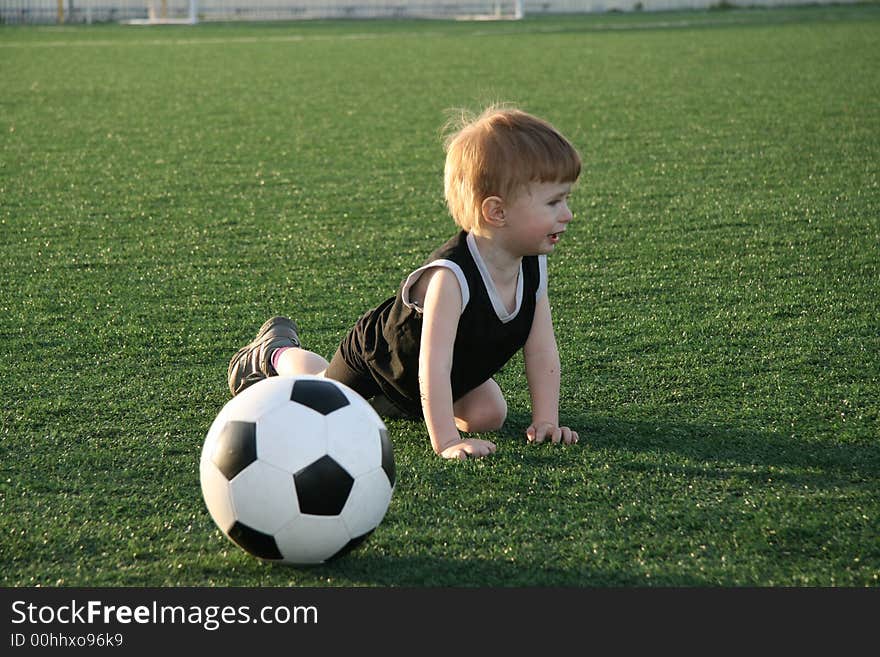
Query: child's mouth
{"points": [[554, 237]]}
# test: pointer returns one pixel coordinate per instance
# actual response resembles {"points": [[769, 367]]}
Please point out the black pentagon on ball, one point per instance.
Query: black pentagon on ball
{"points": [[235, 448], [321, 396], [256, 542], [387, 457], [322, 487]]}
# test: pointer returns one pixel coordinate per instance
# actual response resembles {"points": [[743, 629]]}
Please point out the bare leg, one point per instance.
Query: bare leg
{"points": [[482, 409], [294, 361]]}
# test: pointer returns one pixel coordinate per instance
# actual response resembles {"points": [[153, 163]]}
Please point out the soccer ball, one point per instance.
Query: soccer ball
{"points": [[297, 470]]}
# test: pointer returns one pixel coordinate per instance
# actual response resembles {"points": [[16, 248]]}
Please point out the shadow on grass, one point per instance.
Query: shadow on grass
{"points": [[719, 450], [375, 569]]}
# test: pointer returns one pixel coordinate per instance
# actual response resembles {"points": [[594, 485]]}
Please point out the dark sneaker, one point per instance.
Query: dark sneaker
{"points": [[253, 362]]}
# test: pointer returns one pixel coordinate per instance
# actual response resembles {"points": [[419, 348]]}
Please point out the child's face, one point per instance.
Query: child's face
{"points": [[537, 217]]}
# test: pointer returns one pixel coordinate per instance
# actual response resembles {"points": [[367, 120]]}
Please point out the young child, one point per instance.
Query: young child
{"points": [[431, 350]]}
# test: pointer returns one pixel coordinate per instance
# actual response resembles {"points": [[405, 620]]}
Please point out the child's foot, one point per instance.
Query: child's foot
{"points": [[253, 362]]}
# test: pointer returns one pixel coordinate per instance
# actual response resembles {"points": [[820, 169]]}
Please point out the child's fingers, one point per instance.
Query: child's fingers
{"points": [[475, 448], [569, 437], [481, 448], [459, 454], [538, 434], [547, 432]]}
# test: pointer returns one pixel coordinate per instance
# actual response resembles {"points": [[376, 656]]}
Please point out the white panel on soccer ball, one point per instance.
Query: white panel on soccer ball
{"points": [[264, 497], [255, 401], [216, 425], [215, 490], [291, 436], [213, 430], [312, 539], [353, 440], [367, 502]]}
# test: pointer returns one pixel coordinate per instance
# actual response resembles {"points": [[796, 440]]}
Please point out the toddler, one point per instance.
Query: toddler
{"points": [[431, 350]]}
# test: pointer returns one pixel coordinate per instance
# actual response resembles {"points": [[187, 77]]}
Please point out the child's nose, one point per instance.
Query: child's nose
{"points": [[568, 215]]}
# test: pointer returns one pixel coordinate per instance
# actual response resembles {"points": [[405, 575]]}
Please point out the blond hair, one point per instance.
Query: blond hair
{"points": [[499, 153]]}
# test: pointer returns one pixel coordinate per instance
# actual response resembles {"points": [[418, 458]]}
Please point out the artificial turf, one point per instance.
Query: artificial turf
{"points": [[165, 190]]}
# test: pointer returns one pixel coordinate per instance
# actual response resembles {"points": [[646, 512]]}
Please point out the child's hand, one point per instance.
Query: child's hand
{"points": [[472, 446], [541, 431]]}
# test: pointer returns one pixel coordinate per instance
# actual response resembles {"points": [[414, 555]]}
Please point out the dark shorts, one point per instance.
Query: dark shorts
{"points": [[357, 379], [360, 380]]}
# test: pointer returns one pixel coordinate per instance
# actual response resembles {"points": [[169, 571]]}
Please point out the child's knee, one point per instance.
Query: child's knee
{"points": [[482, 409], [487, 416], [497, 415]]}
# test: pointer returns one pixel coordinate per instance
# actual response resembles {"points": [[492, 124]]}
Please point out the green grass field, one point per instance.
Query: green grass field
{"points": [[165, 190]]}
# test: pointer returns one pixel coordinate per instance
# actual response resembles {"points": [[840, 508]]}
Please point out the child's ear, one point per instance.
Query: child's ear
{"points": [[493, 211]]}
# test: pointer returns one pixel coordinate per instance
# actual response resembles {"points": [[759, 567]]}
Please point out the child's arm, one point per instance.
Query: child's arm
{"points": [[441, 310], [543, 375]]}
